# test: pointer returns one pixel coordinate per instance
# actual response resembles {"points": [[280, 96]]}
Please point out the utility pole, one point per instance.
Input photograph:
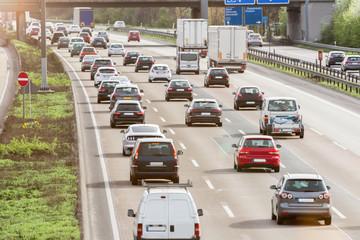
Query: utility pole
{"points": [[307, 20], [44, 85]]}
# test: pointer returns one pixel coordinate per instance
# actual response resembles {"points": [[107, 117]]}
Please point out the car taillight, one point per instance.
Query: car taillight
{"points": [[95, 66], [260, 39], [274, 151], [116, 75], [168, 71], [331, 57], [285, 195], [169, 89], [239, 95], [115, 95], [175, 155], [136, 155], [209, 77], [260, 95], [138, 63], [152, 70], [227, 76], [102, 90], [197, 229], [110, 66], [190, 89], [127, 56], [140, 113], [249, 39], [152, 62], [324, 196], [139, 229], [138, 96], [194, 110], [244, 151], [347, 62], [266, 118], [98, 74], [85, 63], [117, 113], [216, 111]]}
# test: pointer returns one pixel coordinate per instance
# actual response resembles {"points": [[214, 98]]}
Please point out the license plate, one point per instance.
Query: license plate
{"points": [[259, 160], [127, 97], [145, 66], [180, 90], [250, 102], [205, 114], [218, 77], [155, 228], [129, 114], [305, 200], [338, 63], [133, 57], [156, 164]]}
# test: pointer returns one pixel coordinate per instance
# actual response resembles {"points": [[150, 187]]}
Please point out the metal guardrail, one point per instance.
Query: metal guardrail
{"points": [[345, 81], [321, 45], [145, 31]]}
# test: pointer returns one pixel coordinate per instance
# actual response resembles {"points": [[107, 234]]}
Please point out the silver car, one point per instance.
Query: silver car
{"points": [[255, 39], [121, 79], [350, 62], [116, 49], [88, 61], [301, 195], [136, 131], [104, 73]]}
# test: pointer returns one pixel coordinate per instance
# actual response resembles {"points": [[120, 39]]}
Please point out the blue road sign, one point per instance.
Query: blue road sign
{"points": [[264, 19], [253, 15], [233, 16], [273, 1], [240, 2]]}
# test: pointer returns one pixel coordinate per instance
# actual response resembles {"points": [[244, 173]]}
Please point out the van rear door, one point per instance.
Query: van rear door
{"points": [[181, 217], [155, 222]]}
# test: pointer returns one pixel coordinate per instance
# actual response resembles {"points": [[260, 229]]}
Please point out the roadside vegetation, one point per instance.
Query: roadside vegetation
{"points": [[38, 158]]}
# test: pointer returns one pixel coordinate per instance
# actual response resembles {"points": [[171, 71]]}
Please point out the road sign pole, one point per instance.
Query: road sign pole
{"points": [[44, 85], [30, 95], [23, 103]]}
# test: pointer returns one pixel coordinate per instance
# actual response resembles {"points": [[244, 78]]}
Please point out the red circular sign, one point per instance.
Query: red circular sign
{"points": [[23, 79]]}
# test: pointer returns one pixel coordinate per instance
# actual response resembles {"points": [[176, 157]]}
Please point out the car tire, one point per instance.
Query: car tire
{"points": [[197, 72], [83, 70], [167, 99], [227, 85], [238, 168], [188, 124], [277, 169], [240, 71], [112, 124], [236, 107], [176, 179], [150, 80], [136, 70], [190, 99], [57, 47], [279, 220], [98, 101], [177, 71], [92, 77], [124, 154], [219, 124], [109, 55], [124, 64], [71, 55], [260, 130], [134, 180], [235, 165], [327, 221], [268, 130], [302, 133]]}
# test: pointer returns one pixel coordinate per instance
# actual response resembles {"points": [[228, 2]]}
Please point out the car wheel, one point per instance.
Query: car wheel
{"points": [[92, 77], [227, 85], [58, 46], [167, 99], [236, 106], [302, 132], [197, 72], [277, 169], [190, 99], [83, 70], [260, 130], [235, 165], [327, 221], [279, 220], [238, 168], [104, 47], [112, 124], [124, 64], [109, 55], [219, 124], [240, 71], [177, 71], [136, 70], [98, 101], [150, 80], [188, 124], [134, 180], [176, 179], [71, 55], [268, 130], [273, 216]]}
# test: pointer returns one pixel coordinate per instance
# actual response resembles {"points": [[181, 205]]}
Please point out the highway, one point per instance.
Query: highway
{"points": [[236, 205]]}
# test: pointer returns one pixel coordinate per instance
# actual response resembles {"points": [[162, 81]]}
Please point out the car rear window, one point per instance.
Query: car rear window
{"points": [[128, 107], [337, 54], [84, 34], [90, 57], [353, 59], [188, 57], [108, 84], [161, 68], [179, 84], [282, 105], [117, 46], [156, 149], [61, 28], [103, 62], [205, 104], [88, 50], [217, 71], [249, 91], [304, 185], [145, 129], [107, 70], [145, 59], [134, 33], [127, 90], [133, 53], [259, 143]]}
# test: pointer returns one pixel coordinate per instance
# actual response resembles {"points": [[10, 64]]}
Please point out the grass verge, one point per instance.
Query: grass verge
{"points": [[38, 159]]}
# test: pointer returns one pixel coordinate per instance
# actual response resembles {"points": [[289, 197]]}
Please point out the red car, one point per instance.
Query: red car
{"points": [[134, 36], [256, 151], [87, 51], [85, 36]]}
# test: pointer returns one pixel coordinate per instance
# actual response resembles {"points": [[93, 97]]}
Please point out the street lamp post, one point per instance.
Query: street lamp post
{"points": [[44, 85]]}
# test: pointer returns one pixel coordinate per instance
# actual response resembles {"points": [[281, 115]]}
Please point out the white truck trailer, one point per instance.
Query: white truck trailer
{"points": [[191, 34], [227, 47]]}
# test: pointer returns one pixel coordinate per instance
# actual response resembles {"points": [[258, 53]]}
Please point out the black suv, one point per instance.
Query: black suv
{"points": [[131, 57], [203, 111], [144, 63], [217, 76], [178, 88], [56, 36], [99, 42], [106, 89], [100, 62], [249, 96], [154, 158], [127, 112], [63, 42]]}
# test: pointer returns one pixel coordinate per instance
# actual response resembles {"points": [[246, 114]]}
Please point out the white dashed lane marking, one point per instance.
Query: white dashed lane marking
{"points": [[155, 109], [337, 144], [172, 131], [182, 146], [162, 119], [228, 211], [195, 163]]}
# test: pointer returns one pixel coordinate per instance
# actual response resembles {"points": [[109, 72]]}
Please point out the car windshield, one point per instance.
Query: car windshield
{"points": [[156, 149], [108, 84], [127, 90], [205, 104], [128, 107], [258, 143], [103, 62], [282, 105], [353, 59], [188, 57], [163, 68], [179, 84], [145, 129], [249, 91], [116, 46], [217, 71], [304, 185], [107, 70]]}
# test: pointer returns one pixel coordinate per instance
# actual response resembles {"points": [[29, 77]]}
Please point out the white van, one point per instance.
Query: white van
{"points": [[187, 62], [119, 24], [166, 213]]}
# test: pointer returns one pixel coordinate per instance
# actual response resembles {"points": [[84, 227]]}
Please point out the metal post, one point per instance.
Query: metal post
{"points": [[23, 103], [204, 5], [44, 85], [30, 95], [307, 20]]}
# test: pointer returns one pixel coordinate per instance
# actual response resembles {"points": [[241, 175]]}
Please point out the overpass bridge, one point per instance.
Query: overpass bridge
{"points": [[320, 11]]}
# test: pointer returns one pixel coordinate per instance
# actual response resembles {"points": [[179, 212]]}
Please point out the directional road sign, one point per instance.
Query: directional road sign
{"points": [[265, 19], [253, 15], [233, 15], [23, 79], [273, 1], [240, 2]]}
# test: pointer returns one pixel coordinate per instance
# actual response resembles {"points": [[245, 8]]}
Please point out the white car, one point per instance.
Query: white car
{"points": [[74, 40], [116, 49], [74, 29], [160, 72], [48, 34], [119, 24], [166, 212], [104, 73], [121, 79]]}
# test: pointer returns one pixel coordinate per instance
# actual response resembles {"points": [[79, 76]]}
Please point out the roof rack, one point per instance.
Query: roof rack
{"points": [[160, 185]]}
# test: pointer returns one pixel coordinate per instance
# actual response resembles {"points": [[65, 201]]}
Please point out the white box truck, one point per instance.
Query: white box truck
{"points": [[227, 47], [191, 34]]}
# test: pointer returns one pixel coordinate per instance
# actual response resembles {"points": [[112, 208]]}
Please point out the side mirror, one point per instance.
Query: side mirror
{"points": [[192, 85], [262, 93], [110, 108], [164, 131], [131, 213], [144, 107], [179, 152], [122, 131], [234, 145], [220, 105], [175, 58], [166, 85], [141, 91], [200, 212], [328, 187], [234, 93], [278, 145], [186, 105], [273, 187]]}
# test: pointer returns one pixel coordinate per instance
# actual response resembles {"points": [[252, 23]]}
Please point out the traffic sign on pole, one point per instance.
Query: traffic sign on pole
{"points": [[273, 1], [233, 15], [239, 2], [253, 15], [23, 79]]}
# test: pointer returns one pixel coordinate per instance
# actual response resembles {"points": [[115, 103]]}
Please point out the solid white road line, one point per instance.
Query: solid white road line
{"points": [[337, 144], [7, 79], [208, 183], [219, 146], [228, 211], [148, 101], [155, 109], [105, 175], [195, 94], [282, 165], [242, 132], [195, 163], [226, 119], [316, 131], [162, 119], [182, 146], [172, 131], [342, 216]]}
